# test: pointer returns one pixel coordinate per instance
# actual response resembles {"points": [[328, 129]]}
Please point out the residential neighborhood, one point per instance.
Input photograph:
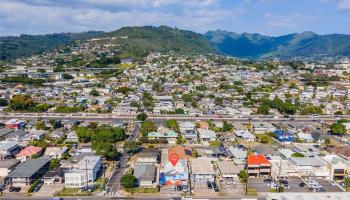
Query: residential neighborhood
{"points": [[93, 120]]}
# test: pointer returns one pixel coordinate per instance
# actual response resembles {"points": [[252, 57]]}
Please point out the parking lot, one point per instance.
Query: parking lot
{"points": [[328, 187], [202, 189], [258, 184], [230, 186], [322, 185], [296, 186]]}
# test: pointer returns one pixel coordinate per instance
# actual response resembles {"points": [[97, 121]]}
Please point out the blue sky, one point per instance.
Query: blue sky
{"points": [[269, 17]]}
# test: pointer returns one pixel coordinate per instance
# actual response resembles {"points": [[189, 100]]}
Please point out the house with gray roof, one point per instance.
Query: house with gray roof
{"points": [[146, 175], [8, 148], [28, 172], [7, 165], [206, 135]]}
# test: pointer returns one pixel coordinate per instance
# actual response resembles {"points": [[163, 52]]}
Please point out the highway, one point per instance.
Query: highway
{"points": [[111, 117]]}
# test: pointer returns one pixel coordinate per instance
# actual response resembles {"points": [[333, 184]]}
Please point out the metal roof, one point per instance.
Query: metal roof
{"points": [[29, 168]]}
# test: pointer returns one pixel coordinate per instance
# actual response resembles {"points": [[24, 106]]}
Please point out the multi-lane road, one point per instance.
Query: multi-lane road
{"points": [[111, 117]]}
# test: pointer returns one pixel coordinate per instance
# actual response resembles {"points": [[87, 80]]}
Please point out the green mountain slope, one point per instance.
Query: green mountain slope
{"points": [[26, 45], [306, 44], [161, 39]]}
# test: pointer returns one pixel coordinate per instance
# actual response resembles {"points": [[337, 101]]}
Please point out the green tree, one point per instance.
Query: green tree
{"points": [[54, 163], [67, 76], [226, 126], [264, 139], [124, 90], [338, 129], [4, 102], [180, 140], [104, 139], [341, 121], [263, 109], [219, 101], [94, 92], [297, 155], [141, 117], [134, 104], [128, 181], [172, 124], [327, 142], [311, 109], [132, 146], [21, 102], [84, 134], [55, 124], [179, 111], [347, 182], [243, 176], [39, 125], [339, 112], [147, 127], [195, 153], [58, 69], [187, 97]]}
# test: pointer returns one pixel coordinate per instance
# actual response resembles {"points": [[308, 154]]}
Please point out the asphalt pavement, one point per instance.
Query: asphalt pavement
{"points": [[114, 182]]}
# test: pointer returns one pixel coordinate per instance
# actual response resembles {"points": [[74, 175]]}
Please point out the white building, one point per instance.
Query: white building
{"points": [[202, 170], [207, 135], [85, 172], [311, 166], [245, 135]]}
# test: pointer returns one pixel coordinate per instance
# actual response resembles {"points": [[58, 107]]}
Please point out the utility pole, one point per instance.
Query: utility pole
{"points": [[87, 177]]}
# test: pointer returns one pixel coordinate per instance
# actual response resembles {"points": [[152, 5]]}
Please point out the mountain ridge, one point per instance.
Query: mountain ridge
{"points": [[164, 39], [253, 45]]}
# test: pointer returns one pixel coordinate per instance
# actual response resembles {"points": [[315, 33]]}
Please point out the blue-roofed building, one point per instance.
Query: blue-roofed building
{"points": [[284, 136]]}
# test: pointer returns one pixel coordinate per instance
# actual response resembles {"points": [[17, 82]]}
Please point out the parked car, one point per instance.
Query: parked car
{"points": [[301, 184], [14, 189], [209, 185], [215, 187], [179, 188], [332, 182], [173, 188], [38, 186], [268, 180]]}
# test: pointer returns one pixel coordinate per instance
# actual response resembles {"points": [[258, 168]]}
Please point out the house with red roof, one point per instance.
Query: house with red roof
{"points": [[258, 165], [28, 152]]}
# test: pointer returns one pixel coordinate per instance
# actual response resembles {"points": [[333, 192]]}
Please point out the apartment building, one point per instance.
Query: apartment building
{"points": [[258, 165], [84, 173]]}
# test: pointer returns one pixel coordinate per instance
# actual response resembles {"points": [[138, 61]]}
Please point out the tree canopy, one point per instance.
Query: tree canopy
{"points": [[128, 181], [147, 127], [338, 129], [141, 117]]}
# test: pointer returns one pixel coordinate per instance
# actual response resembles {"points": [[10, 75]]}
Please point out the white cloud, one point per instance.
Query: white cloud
{"points": [[343, 5], [19, 16]]}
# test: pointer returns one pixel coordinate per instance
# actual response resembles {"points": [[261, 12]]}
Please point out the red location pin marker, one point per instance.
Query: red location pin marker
{"points": [[173, 158]]}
